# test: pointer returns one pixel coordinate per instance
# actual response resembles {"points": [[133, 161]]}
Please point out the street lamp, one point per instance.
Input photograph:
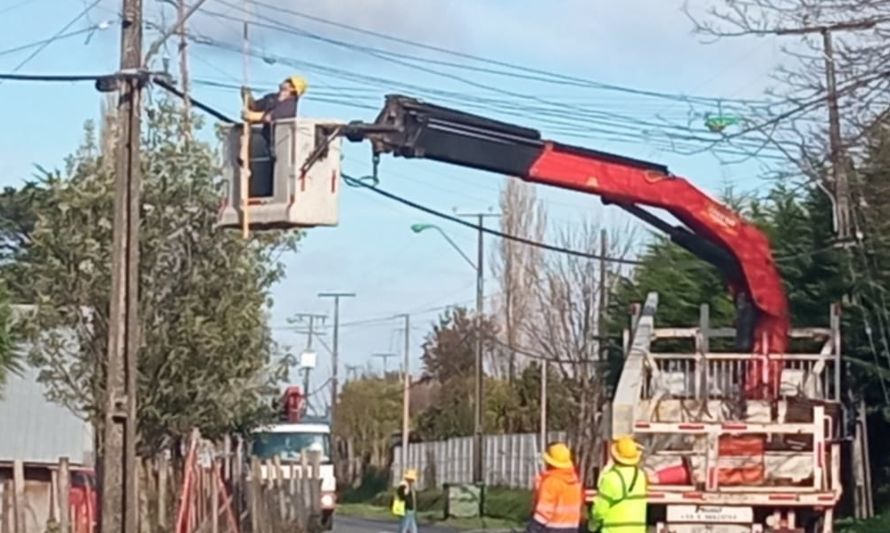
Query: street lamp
{"points": [[478, 431], [420, 228]]}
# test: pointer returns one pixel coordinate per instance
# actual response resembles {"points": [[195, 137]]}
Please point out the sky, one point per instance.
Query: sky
{"points": [[646, 45]]}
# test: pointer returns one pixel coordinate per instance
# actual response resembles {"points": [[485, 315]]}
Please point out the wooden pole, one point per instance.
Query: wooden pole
{"points": [[18, 496], [245, 142], [120, 506], [162, 491], [64, 495], [184, 73]]}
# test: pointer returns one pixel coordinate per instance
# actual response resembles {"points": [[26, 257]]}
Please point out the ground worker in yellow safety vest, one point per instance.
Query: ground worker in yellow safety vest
{"points": [[620, 503], [404, 503]]}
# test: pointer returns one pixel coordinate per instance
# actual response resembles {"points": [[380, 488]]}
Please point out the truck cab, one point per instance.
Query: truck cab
{"points": [[287, 441]]}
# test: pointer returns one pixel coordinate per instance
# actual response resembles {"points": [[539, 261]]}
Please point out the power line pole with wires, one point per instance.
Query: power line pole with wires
{"points": [[335, 364], [843, 218], [478, 429], [119, 489], [312, 321]]}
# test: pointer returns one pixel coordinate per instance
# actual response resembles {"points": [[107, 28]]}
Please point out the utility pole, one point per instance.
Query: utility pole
{"points": [[335, 364], [184, 72], [310, 332], [478, 429], [406, 391], [603, 302], [544, 365], [385, 357], [120, 508], [352, 370], [843, 220]]}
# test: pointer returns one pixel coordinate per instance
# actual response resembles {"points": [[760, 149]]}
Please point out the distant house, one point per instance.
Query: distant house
{"points": [[38, 433]]}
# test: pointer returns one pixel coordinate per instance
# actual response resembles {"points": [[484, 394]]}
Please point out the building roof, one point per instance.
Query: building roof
{"points": [[36, 430]]}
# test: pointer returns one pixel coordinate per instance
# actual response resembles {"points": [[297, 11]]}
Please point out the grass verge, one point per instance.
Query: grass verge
{"points": [[505, 510]]}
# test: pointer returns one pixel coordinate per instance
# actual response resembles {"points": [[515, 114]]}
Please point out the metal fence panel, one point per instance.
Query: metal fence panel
{"points": [[510, 460]]}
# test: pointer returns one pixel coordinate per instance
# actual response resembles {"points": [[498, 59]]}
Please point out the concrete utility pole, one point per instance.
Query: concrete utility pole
{"points": [[603, 303], [385, 357], [478, 429], [119, 490], [544, 365], [406, 391], [310, 332], [335, 364]]}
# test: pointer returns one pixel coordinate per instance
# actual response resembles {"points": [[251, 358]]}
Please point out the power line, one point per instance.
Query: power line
{"points": [[56, 36], [607, 119], [558, 78], [23, 47], [353, 182]]}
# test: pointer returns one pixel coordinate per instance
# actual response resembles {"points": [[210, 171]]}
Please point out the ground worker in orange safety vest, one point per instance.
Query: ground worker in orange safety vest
{"points": [[559, 495], [620, 503]]}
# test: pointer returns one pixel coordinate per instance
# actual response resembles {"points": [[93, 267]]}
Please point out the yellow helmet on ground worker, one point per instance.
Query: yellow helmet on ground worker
{"points": [[626, 451], [559, 456], [410, 475], [299, 84]]}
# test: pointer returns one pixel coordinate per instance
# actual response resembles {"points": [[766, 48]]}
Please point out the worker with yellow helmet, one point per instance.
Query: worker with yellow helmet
{"points": [[404, 503], [275, 106], [620, 503], [559, 495]]}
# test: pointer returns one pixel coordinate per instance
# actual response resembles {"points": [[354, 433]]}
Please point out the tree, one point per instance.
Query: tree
{"points": [[517, 265], [369, 412], [9, 351], [206, 357]]}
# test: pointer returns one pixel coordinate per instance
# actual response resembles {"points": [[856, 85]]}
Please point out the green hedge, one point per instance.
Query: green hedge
{"points": [[502, 503]]}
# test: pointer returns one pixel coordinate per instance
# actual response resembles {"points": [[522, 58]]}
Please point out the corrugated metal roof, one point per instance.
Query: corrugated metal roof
{"points": [[36, 430]]}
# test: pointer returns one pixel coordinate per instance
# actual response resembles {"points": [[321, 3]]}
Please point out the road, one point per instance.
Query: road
{"points": [[345, 524]]}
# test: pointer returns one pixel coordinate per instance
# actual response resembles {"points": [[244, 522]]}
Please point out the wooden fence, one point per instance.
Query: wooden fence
{"points": [[214, 489]]}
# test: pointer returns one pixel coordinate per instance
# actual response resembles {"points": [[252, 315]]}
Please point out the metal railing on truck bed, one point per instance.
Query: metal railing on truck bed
{"points": [[705, 443]]}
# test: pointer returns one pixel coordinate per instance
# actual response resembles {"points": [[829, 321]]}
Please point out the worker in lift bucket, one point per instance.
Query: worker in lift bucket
{"points": [[404, 503], [267, 110], [559, 495], [620, 503], [275, 106]]}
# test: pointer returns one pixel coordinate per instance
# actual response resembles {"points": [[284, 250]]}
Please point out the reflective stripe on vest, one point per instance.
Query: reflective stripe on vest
{"points": [[627, 500], [558, 500]]}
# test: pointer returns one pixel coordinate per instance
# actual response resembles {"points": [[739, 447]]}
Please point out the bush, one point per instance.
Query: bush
{"points": [[508, 504], [374, 481]]}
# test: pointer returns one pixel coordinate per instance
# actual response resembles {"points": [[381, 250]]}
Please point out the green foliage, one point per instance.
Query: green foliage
{"points": [[369, 411], [9, 351], [206, 354]]}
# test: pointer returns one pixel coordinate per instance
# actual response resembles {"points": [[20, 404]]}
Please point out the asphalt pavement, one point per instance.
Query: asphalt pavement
{"points": [[346, 524]]}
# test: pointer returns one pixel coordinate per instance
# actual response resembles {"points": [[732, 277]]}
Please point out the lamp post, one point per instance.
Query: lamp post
{"points": [[478, 267]]}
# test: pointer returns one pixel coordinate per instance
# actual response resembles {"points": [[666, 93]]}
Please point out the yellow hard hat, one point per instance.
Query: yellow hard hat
{"points": [[626, 451], [558, 455], [410, 475], [299, 84]]}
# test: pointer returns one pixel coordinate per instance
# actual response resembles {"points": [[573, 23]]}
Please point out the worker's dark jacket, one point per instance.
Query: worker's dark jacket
{"points": [[408, 495], [276, 109]]}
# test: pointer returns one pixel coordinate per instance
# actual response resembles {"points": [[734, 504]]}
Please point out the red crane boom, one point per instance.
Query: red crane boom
{"points": [[407, 127]]}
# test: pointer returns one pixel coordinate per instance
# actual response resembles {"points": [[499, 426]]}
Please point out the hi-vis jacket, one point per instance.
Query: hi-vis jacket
{"points": [[405, 499], [620, 504], [559, 498]]}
